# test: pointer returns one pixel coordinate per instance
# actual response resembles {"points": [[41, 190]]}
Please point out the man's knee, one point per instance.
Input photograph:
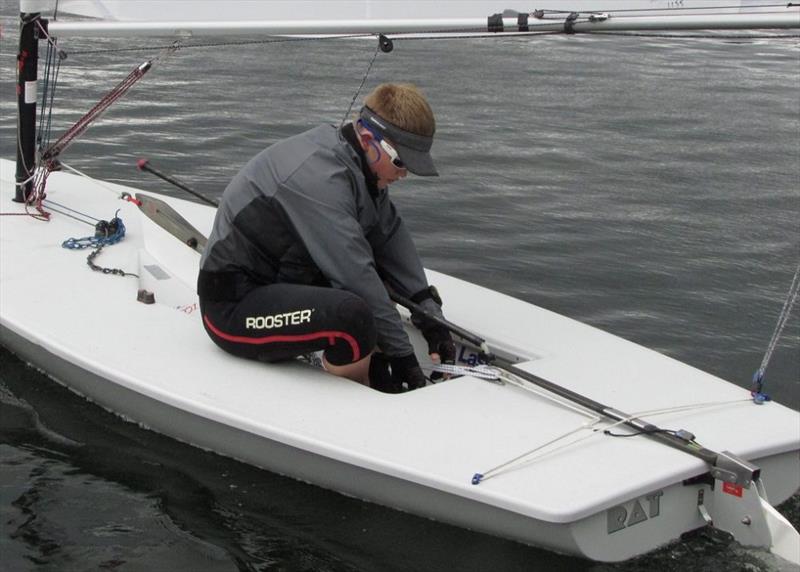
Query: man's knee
{"points": [[357, 324], [355, 315]]}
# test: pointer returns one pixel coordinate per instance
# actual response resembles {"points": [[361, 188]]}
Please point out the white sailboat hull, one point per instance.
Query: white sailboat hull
{"points": [[604, 498]]}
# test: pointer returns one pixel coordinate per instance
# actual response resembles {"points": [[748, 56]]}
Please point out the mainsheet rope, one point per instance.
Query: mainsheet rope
{"points": [[497, 375], [531, 455], [361, 86]]}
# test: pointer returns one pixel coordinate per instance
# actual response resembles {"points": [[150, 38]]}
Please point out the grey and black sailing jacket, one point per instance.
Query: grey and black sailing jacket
{"points": [[306, 210]]}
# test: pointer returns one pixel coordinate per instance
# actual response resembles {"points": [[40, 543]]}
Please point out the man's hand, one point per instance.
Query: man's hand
{"points": [[389, 374], [406, 370], [440, 344], [440, 347], [380, 377]]}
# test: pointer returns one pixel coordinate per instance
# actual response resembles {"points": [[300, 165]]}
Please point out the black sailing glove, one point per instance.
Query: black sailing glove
{"points": [[406, 370], [440, 342], [438, 337], [380, 377], [403, 370]]}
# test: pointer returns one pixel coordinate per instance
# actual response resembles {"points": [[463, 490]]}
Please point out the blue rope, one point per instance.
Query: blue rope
{"points": [[105, 234]]}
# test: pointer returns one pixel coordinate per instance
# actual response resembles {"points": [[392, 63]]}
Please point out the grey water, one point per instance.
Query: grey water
{"points": [[646, 186]]}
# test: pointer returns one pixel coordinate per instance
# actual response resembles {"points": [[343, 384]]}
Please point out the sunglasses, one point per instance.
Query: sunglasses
{"points": [[388, 149], [392, 152]]}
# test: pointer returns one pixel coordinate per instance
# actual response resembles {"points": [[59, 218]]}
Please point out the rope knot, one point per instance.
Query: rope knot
{"points": [[131, 199]]}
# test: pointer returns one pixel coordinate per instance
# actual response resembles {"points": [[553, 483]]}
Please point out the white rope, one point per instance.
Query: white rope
{"points": [[529, 387], [95, 181], [529, 456], [29, 179], [481, 371], [488, 373], [680, 408], [543, 450], [512, 379], [791, 298]]}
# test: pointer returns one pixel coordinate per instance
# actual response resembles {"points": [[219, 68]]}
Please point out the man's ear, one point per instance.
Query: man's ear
{"points": [[364, 137]]}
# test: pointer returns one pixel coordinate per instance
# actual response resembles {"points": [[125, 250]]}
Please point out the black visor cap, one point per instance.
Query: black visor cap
{"points": [[414, 149]]}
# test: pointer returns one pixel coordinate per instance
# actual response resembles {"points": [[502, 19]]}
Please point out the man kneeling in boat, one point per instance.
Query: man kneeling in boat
{"points": [[306, 241]]}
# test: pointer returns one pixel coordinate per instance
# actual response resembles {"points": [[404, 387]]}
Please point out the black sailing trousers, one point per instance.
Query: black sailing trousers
{"points": [[277, 322]]}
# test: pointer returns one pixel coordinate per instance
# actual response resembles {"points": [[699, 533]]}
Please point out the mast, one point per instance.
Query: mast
{"points": [[27, 75]]}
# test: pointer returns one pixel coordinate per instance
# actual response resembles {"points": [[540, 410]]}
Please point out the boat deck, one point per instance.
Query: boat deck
{"points": [[436, 437]]}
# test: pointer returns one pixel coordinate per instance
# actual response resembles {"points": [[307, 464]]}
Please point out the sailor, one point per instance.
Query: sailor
{"points": [[306, 243]]}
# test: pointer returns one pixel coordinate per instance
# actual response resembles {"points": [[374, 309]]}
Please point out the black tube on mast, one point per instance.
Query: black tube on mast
{"points": [[27, 76]]}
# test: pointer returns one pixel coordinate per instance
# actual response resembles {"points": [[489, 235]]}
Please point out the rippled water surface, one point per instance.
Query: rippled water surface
{"points": [[650, 187]]}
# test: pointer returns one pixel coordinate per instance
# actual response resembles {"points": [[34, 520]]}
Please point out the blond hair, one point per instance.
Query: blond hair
{"points": [[404, 105]]}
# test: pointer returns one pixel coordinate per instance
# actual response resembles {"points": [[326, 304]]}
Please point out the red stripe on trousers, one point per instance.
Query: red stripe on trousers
{"points": [[332, 334]]}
